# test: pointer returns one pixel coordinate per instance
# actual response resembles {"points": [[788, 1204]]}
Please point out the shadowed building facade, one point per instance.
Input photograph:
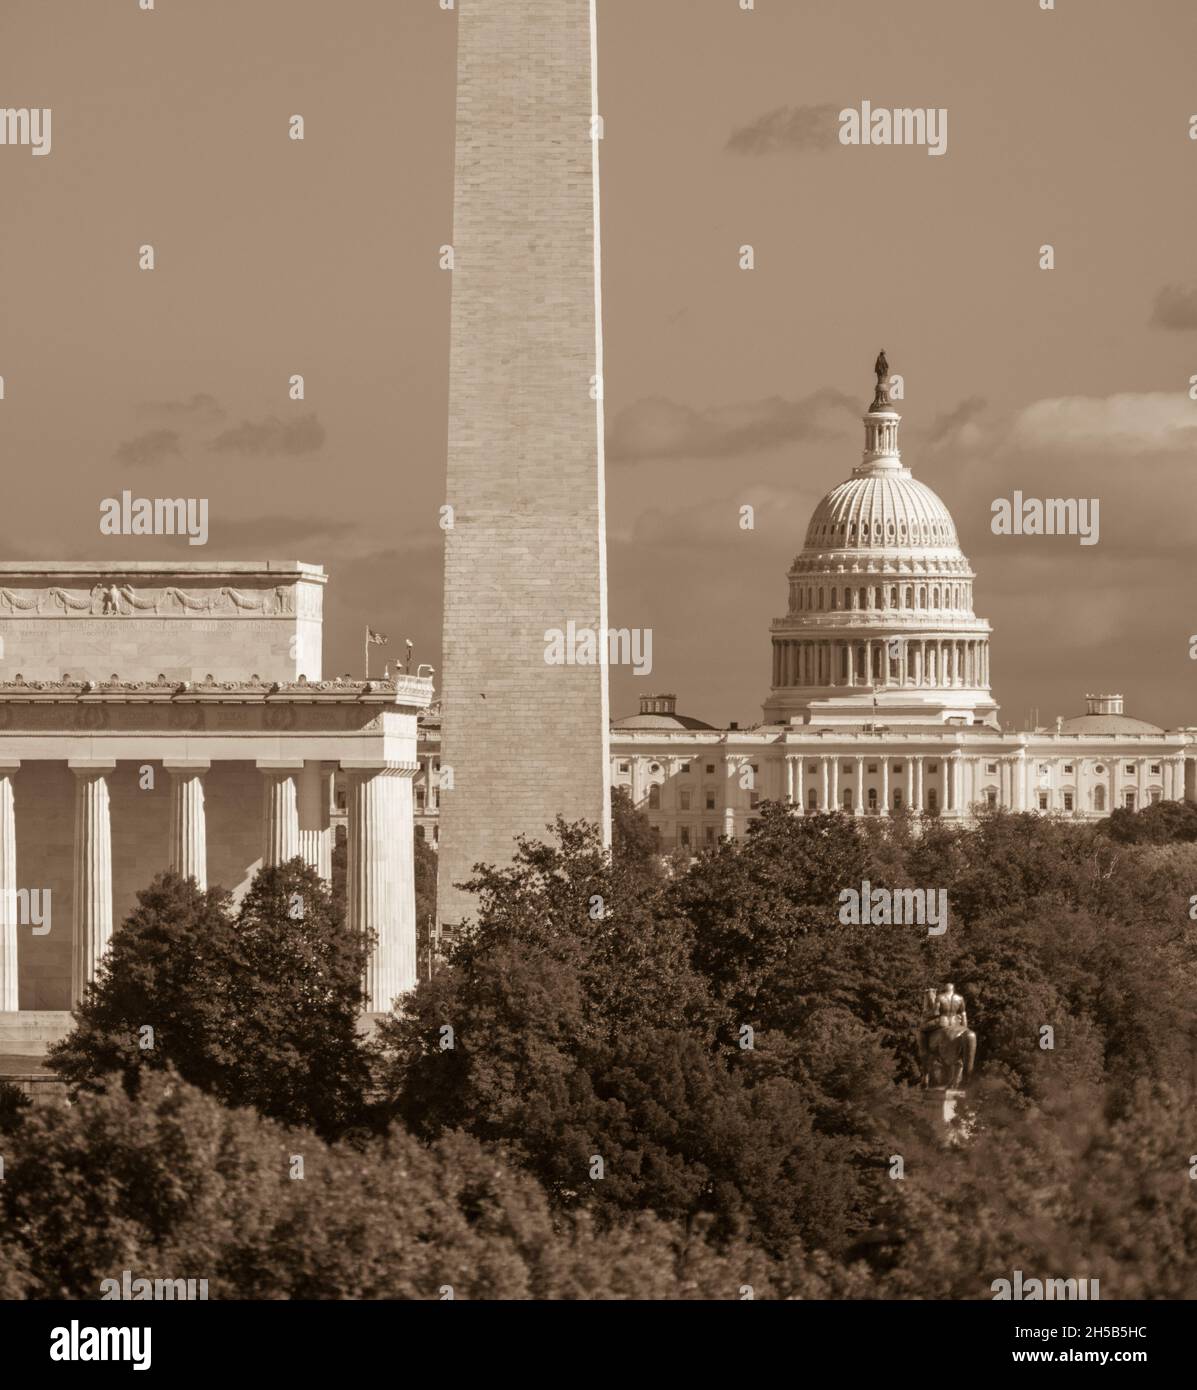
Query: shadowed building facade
{"points": [[525, 538]]}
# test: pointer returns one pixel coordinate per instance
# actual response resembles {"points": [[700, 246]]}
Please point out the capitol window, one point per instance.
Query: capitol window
{"points": [[992, 767], [654, 797], [1129, 769], [991, 796], [1155, 769], [1130, 801], [932, 767], [685, 767], [1067, 767], [710, 801], [683, 799], [1068, 801], [623, 767], [1043, 801]]}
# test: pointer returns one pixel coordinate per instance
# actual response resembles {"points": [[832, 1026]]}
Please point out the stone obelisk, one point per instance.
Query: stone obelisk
{"points": [[524, 736]]}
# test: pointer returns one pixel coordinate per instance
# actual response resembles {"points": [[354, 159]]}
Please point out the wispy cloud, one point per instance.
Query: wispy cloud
{"points": [[1144, 422], [304, 435], [149, 448], [663, 429], [958, 428], [787, 129]]}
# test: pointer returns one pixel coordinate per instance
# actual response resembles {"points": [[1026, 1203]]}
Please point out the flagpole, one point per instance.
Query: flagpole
{"points": [[367, 653]]}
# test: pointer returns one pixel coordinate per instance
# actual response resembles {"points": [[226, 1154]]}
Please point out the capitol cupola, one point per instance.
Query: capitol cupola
{"points": [[880, 626]]}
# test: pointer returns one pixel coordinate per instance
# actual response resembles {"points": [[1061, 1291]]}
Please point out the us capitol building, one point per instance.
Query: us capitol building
{"points": [[880, 698]]}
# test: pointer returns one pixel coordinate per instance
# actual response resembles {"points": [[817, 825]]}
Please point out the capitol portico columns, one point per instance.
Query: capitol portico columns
{"points": [[188, 827], [92, 901], [280, 810], [884, 808], [380, 885], [8, 891]]}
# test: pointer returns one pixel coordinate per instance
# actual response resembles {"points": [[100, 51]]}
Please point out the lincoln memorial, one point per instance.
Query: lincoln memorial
{"points": [[158, 716]]}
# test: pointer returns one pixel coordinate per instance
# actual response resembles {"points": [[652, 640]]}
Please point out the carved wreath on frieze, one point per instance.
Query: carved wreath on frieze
{"points": [[122, 600]]}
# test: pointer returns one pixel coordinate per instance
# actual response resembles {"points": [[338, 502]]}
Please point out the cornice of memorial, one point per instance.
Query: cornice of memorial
{"points": [[406, 690]]}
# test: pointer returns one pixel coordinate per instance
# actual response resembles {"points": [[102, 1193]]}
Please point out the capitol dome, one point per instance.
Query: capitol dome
{"points": [[881, 510], [880, 623]]}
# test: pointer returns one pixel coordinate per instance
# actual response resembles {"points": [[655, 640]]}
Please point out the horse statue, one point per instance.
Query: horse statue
{"points": [[947, 1046]]}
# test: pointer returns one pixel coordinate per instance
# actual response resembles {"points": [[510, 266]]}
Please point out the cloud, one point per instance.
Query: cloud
{"points": [[304, 435], [957, 428], [663, 429], [201, 409], [1145, 422], [788, 128], [1175, 307], [145, 449]]}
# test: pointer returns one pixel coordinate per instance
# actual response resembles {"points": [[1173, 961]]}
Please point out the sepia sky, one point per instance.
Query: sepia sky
{"points": [[723, 387]]}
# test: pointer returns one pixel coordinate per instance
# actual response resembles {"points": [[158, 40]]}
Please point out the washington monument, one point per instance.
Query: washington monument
{"points": [[523, 738]]}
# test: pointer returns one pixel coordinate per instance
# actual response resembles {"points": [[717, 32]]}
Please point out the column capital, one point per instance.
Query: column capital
{"points": [[279, 764], [9, 765], [82, 767], [185, 765]]}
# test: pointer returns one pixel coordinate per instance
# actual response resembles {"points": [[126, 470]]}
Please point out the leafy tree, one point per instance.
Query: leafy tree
{"points": [[259, 1009], [1159, 823], [171, 1184]]}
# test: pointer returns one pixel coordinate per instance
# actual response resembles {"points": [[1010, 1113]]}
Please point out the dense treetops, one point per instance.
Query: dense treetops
{"points": [[630, 1082]]}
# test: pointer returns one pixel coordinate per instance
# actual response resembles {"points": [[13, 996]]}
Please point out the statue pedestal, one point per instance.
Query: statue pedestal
{"points": [[941, 1103]]}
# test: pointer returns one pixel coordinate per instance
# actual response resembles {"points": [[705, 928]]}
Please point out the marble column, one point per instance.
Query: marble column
{"points": [[800, 783], [917, 780], [188, 831], [860, 789], [790, 778], [380, 876], [835, 784], [91, 916], [315, 829], [823, 782], [9, 972], [280, 811], [884, 808]]}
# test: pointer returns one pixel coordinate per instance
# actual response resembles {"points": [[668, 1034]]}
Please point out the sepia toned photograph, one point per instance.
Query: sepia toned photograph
{"points": [[596, 673]]}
